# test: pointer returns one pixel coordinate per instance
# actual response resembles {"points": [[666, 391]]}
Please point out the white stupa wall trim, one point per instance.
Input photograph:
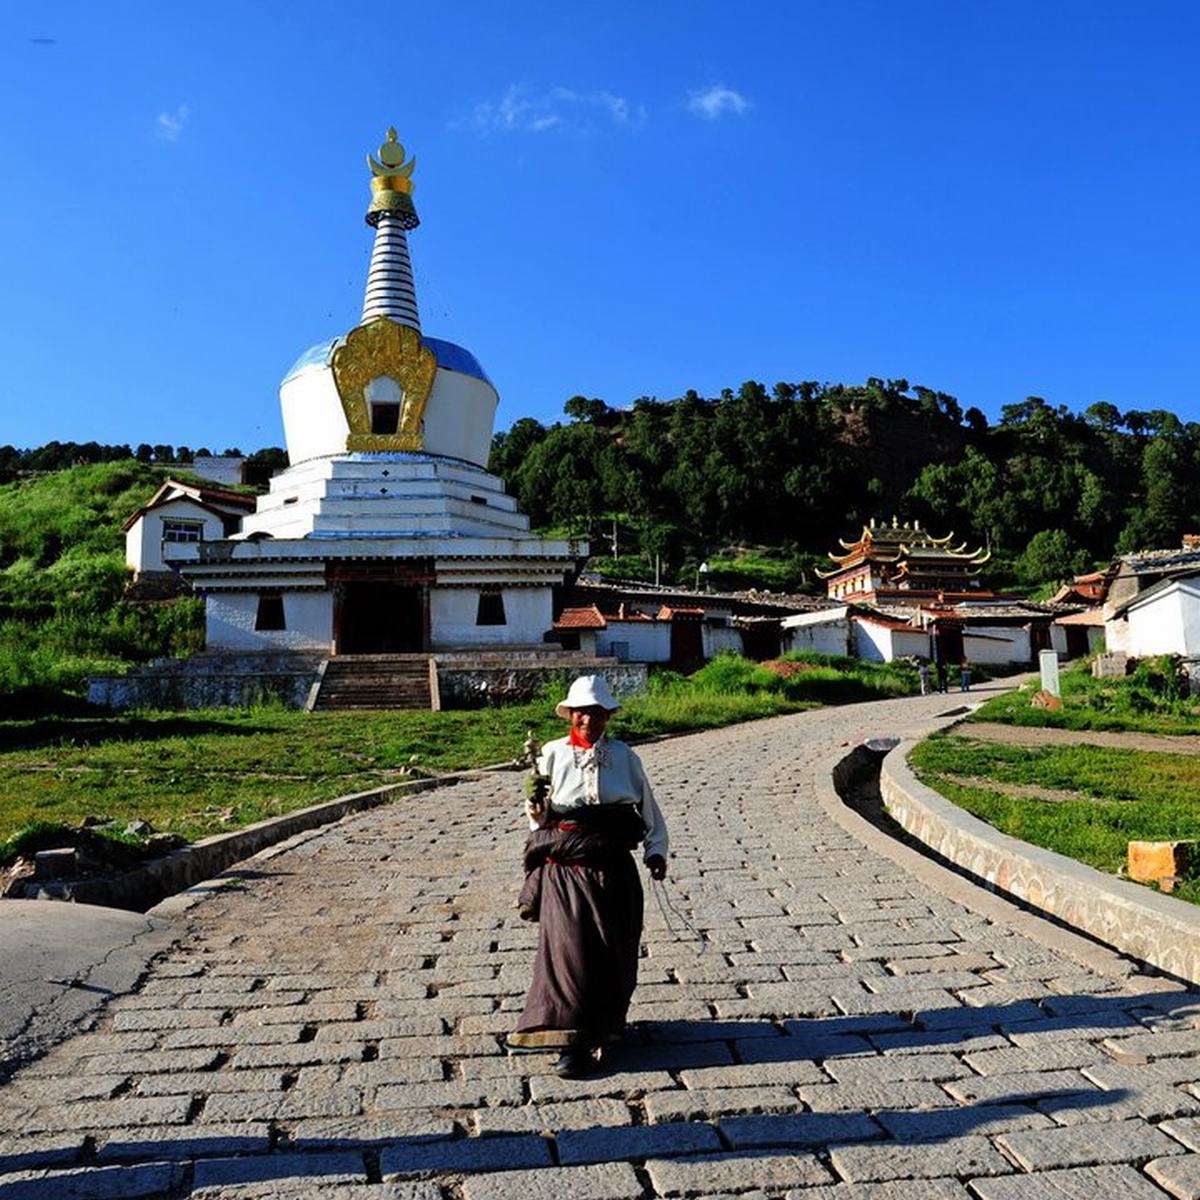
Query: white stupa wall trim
{"points": [[453, 612], [230, 618], [459, 416], [373, 498], [390, 290]]}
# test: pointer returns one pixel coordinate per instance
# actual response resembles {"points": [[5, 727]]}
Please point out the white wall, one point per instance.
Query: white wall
{"points": [[452, 612], [1169, 623], [648, 641], [910, 643], [831, 637], [873, 643], [997, 645], [719, 639], [229, 622], [143, 539], [314, 422]]}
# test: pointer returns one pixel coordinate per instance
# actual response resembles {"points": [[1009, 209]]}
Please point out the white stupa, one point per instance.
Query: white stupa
{"points": [[387, 534]]}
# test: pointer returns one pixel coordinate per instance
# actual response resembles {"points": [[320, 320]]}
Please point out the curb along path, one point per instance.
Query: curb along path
{"points": [[328, 1023]]}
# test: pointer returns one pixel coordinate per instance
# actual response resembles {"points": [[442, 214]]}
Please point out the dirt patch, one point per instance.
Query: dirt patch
{"points": [[1022, 791]]}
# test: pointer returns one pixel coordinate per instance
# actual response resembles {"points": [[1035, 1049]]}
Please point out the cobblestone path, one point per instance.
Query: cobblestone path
{"points": [[329, 1024]]}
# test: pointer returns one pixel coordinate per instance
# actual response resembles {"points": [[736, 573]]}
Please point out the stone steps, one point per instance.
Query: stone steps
{"points": [[375, 681]]}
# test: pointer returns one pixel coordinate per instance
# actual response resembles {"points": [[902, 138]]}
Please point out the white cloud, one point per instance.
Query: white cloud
{"points": [[522, 110], [170, 125], [714, 102]]}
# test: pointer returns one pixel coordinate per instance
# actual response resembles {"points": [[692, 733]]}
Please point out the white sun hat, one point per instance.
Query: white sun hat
{"points": [[585, 692]]}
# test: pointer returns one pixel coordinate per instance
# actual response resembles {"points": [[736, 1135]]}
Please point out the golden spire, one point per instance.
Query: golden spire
{"points": [[391, 184]]}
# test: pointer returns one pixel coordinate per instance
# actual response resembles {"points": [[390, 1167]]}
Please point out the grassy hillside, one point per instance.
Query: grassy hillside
{"points": [[62, 575]]}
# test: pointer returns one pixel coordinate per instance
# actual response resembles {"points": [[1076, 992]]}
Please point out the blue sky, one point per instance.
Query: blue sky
{"points": [[996, 200]]}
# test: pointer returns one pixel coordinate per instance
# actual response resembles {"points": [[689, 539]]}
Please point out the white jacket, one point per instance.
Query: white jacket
{"points": [[609, 773]]}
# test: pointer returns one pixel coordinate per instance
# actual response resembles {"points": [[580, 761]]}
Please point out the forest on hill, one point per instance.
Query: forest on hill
{"points": [[793, 468], [758, 484]]}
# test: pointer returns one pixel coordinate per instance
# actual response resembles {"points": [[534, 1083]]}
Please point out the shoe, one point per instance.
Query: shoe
{"points": [[572, 1064]]}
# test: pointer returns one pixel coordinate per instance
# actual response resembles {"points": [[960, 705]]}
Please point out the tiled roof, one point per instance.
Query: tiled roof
{"points": [[1145, 561], [580, 618]]}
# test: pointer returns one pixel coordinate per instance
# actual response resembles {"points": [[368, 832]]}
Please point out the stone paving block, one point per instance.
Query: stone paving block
{"points": [[1152, 1102], [786, 1072], [322, 1169], [907, 1189], [985, 1120], [339, 1132], [466, 1154], [61, 1089], [672, 1056], [285, 1106], [1079, 1183], [636, 1141], [1088, 1145], [961, 1157], [536, 1118], [968, 961], [134, 1020], [150, 1062], [33, 1151], [107, 1114], [980, 1017], [846, 1097], [798, 1129], [687, 1104], [448, 1045], [1046, 1056], [183, 1083], [228, 1036], [1180, 1176], [918, 1041], [179, 1143], [881, 1069], [1157, 1045], [300, 1054], [1097, 1026], [90, 1183], [800, 1046], [1023, 1086], [610, 1181], [619, 1083], [451, 1093], [736, 1171]]}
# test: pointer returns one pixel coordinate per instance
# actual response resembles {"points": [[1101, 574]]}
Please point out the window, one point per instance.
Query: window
{"points": [[182, 531], [385, 418], [491, 608], [270, 613]]}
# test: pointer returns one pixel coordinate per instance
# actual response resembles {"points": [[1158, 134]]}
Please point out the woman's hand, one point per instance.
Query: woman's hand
{"points": [[657, 866]]}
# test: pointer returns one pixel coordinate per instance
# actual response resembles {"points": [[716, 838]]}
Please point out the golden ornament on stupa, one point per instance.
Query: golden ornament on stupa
{"points": [[391, 184]]}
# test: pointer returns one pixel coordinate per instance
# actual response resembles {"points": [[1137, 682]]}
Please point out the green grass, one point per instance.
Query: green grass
{"points": [[1151, 700], [1124, 795], [204, 772]]}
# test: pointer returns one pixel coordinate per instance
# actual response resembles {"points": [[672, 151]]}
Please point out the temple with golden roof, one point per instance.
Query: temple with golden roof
{"points": [[903, 562]]}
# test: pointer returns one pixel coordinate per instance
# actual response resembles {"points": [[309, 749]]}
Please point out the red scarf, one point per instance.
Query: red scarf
{"points": [[575, 738]]}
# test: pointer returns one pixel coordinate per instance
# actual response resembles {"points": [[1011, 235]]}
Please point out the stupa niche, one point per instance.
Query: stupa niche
{"points": [[386, 534]]}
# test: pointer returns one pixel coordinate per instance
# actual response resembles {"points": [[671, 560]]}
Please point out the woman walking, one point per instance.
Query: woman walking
{"points": [[582, 885]]}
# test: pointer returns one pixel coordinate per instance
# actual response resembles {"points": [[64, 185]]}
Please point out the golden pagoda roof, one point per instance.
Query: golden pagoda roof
{"points": [[898, 543]]}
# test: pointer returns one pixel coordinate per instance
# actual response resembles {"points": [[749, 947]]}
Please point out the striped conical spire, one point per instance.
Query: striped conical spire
{"points": [[390, 291]]}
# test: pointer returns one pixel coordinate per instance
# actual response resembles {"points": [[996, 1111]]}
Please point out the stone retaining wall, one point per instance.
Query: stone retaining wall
{"points": [[1147, 925], [210, 681]]}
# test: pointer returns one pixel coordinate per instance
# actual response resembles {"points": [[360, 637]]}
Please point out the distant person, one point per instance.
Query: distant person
{"points": [[964, 675], [942, 680], [923, 672]]}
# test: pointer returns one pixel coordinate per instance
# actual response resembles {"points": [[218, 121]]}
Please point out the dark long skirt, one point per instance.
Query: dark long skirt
{"points": [[589, 906]]}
